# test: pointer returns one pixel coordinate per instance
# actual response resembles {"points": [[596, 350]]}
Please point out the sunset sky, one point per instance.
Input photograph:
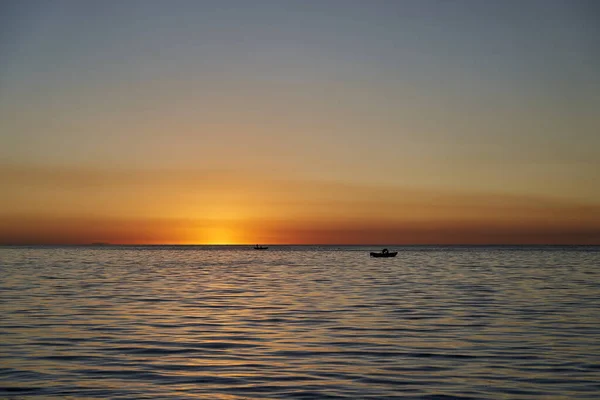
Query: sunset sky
{"points": [[300, 121]]}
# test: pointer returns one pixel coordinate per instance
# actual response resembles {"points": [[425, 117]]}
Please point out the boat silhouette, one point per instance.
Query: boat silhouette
{"points": [[384, 253]]}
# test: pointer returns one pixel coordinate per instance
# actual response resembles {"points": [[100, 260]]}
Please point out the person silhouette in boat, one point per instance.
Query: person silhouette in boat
{"points": [[385, 251]]}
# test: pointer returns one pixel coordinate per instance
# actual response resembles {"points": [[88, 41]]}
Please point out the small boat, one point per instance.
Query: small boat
{"points": [[257, 247], [384, 253]]}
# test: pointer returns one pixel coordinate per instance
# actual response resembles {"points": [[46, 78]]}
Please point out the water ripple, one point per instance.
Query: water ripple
{"points": [[299, 323]]}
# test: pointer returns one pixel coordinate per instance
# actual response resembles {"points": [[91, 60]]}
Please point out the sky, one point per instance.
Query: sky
{"points": [[300, 122]]}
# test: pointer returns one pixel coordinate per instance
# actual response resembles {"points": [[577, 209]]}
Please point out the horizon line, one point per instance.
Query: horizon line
{"points": [[284, 244]]}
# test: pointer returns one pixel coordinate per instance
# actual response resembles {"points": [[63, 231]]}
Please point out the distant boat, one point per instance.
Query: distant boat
{"points": [[257, 247], [384, 253]]}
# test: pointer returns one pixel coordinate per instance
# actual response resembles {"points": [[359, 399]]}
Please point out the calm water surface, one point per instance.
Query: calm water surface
{"points": [[299, 323]]}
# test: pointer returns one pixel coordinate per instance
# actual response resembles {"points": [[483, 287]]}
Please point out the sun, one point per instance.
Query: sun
{"points": [[222, 225], [221, 235]]}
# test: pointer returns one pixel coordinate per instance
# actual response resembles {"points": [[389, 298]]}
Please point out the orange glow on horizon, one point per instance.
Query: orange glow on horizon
{"points": [[79, 207], [86, 231]]}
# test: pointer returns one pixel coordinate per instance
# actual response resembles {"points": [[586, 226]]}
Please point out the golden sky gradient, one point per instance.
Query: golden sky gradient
{"points": [[61, 205], [299, 122]]}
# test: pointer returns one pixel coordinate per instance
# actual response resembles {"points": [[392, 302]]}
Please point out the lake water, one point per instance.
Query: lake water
{"points": [[299, 323]]}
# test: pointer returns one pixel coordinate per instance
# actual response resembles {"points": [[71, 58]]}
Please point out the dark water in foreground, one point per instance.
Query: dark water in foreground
{"points": [[299, 323]]}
